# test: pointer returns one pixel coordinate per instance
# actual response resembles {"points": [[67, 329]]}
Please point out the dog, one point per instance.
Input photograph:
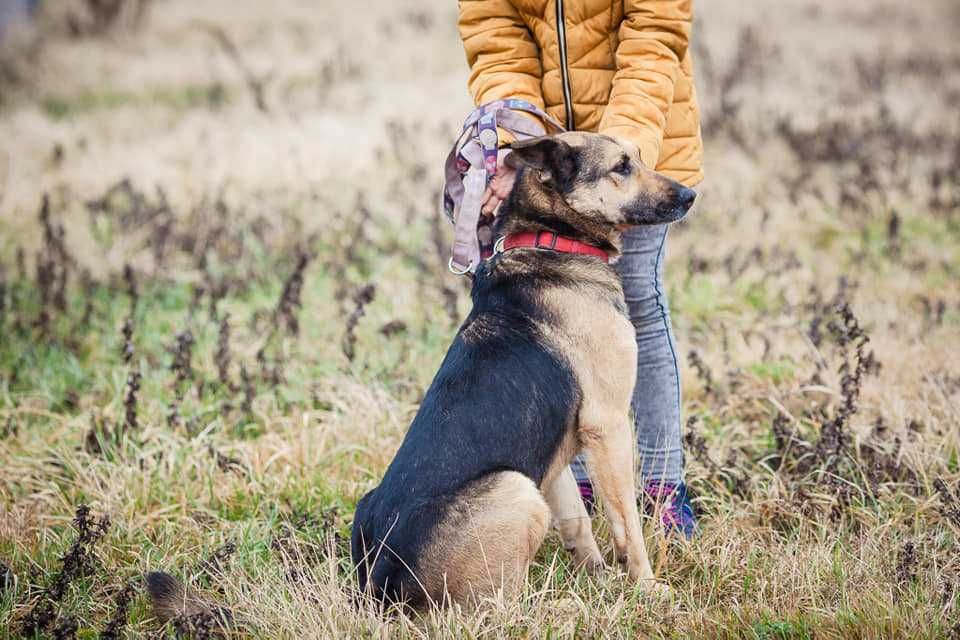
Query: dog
{"points": [[542, 368]]}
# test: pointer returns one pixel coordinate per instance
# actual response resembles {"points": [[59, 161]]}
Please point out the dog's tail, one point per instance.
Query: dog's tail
{"points": [[173, 600]]}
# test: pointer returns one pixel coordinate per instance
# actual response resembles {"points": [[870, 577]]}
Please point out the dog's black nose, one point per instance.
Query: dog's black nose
{"points": [[685, 198]]}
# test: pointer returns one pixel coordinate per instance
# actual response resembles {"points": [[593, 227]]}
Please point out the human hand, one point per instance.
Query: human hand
{"points": [[499, 187]]}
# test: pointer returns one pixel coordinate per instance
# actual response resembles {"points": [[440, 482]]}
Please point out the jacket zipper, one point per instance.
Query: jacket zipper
{"points": [[564, 72]]}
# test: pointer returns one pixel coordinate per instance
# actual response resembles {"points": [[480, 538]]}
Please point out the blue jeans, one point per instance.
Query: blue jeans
{"points": [[656, 397]]}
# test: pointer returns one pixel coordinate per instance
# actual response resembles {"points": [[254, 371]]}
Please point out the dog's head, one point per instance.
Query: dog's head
{"points": [[594, 183]]}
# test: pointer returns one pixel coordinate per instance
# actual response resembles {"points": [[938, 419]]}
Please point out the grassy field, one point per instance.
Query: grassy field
{"points": [[223, 293]]}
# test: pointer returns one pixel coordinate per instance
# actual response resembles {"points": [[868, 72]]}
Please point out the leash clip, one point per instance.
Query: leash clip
{"points": [[498, 245]]}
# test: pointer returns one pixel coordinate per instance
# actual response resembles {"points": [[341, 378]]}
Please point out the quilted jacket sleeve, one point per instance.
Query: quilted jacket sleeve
{"points": [[654, 36], [503, 57]]}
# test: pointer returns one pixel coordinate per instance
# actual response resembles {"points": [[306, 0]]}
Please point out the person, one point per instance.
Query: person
{"points": [[623, 69]]}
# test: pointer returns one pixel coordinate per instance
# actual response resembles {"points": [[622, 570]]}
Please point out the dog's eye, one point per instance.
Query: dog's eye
{"points": [[623, 167]]}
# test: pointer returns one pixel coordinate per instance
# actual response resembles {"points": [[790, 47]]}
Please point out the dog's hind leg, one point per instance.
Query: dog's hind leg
{"points": [[488, 539], [571, 517]]}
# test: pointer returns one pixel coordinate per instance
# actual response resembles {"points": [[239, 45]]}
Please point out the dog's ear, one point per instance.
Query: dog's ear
{"points": [[552, 157]]}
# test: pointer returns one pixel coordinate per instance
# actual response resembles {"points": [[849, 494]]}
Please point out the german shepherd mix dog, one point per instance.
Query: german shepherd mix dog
{"points": [[542, 368]]}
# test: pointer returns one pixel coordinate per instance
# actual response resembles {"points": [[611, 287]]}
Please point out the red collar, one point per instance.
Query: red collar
{"points": [[549, 240]]}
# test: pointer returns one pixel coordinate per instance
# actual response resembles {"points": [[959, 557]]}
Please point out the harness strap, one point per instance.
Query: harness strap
{"points": [[466, 243], [469, 167], [551, 241]]}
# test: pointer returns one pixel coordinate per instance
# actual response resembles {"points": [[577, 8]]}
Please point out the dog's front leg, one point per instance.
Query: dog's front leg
{"points": [[573, 521], [609, 449]]}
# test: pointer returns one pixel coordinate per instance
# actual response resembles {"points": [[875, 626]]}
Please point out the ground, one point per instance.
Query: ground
{"points": [[223, 293]]}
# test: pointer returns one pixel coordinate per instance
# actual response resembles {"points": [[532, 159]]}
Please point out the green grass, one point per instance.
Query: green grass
{"points": [[333, 424], [777, 371], [64, 107]]}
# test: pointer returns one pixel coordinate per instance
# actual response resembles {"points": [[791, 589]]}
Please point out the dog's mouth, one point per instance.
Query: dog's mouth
{"points": [[670, 209]]}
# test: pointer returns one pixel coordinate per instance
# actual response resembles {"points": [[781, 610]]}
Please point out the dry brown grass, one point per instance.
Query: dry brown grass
{"points": [[829, 493]]}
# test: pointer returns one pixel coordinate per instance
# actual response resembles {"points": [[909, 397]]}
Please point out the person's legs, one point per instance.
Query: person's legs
{"points": [[656, 398]]}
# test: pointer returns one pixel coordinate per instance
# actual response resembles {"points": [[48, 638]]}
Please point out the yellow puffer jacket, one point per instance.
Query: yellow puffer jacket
{"points": [[624, 69]]}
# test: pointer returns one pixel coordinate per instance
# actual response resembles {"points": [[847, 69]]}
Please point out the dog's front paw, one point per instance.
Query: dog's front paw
{"points": [[589, 561], [654, 588]]}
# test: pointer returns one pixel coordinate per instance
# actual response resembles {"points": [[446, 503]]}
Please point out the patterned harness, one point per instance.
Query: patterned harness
{"points": [[471, 165]]}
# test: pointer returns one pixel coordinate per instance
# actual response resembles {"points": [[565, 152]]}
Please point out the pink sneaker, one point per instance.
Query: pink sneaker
{"points": [[676, 512]]}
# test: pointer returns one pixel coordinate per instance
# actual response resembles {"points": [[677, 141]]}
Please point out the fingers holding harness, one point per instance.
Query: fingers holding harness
{"points": [[497, 191], [489, 202], [502, 183]]}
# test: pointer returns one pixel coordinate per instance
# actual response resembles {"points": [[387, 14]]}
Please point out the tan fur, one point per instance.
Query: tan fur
{"points": [[598, 340], [535, 195], [487, 541], [599, 197], [608, 192], [569, 447], [589, 328], [572, 520]]}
